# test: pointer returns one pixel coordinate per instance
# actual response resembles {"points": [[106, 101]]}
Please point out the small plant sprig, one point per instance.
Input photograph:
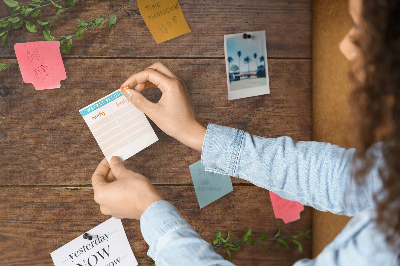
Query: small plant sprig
{"points": [[220, 242], [27, 14]]}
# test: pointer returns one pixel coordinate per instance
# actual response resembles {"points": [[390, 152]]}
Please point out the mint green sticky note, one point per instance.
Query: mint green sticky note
{"points": [[209, 186]]}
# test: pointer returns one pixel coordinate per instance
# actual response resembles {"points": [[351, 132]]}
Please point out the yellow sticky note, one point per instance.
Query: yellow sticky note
{"points": [[164, 18]]}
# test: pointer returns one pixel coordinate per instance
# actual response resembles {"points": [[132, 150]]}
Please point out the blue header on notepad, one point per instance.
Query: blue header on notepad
{"points": [[100, 103]]}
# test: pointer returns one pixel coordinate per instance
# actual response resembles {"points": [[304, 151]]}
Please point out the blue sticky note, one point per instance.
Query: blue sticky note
{"points": [[209, 186]]}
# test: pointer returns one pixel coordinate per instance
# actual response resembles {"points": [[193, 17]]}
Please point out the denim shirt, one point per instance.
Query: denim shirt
{"points": [[312, 173]]}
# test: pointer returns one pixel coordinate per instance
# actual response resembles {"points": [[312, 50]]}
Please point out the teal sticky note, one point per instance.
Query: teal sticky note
{"points": [[209, 186]]}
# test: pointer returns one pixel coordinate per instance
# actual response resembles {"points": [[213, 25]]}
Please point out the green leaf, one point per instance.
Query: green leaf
{"points": [[228, 236], [3, 39], [11, 3], [3, 66], [18, 25], [37, 1], [80, 31], [308, 233], [35, 13], [59, 12], [263, 246], [233, 246], [43, 23], [247, 235], [83, 23], [14, 19], [217, 238], [1, 34], [264, 236], [112, 21], [250, 241], [46, 34], [31, 27], [66, 47], [70, 3], [15, 9], [283, 243], [112, 2], [98, 22], [54, 4], [299, 246], [28, 11], [4, 24], [154, 264], [229, 254], [278, 234], [67, 37]]}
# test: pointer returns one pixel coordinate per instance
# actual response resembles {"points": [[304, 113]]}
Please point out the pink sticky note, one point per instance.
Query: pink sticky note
{"points": [[41, 64], [284, 209]]}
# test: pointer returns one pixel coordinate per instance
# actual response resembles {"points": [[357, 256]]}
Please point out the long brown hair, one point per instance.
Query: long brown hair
{"points": [[376, 106]]}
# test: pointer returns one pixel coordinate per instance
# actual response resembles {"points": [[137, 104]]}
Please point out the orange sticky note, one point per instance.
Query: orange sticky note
{"points": [[41, 64], [164, 18], [284, 209]]}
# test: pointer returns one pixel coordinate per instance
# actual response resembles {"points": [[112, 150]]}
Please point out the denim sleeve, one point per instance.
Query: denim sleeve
{"points": [[172, 240], [312, 173]]}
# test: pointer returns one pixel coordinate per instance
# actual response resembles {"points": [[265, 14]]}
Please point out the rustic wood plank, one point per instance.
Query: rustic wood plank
{"points": [[33, 225], [46, 141], [287, 25]]}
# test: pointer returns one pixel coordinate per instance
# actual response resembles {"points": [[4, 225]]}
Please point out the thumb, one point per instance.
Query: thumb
{"points": [[117, 168], [138, 100]]}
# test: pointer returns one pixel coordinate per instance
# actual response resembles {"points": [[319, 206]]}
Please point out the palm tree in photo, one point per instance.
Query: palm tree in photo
{"points": [[239, 54], [230, 60], [255, 58], [262, 59], [247, 60]]}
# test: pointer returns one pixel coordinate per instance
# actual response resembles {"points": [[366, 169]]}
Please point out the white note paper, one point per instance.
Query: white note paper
{"points": [[118, 126], [108, 247]]}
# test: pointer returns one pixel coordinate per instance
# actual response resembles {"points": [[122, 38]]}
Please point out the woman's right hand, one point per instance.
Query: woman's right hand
{"points": [[173, 113]]}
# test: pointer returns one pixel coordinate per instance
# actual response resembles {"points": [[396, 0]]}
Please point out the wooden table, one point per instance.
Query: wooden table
{"points": [[48, 153]]}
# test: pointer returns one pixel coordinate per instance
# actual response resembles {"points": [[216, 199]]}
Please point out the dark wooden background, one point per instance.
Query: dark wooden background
{"points": [[47, 153]]}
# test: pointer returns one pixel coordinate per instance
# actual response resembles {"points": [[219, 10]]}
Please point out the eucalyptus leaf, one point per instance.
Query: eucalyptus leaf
{"points": [[3, 39], [15, 9], [43, 23], [98, 22], [250, 241], [263, 246], [283, 243], [28, 11], [14, 19], [229, 254], [46, 34], [18, 25], [228, 236], [112, 21], [80, 31], [83, 23], [3, 66], [34, 5], [11, 3], [35, 13], [217, 238], [247, 234], [37, 1], [264, 236], [54, 4], [59, 12], [278, 234], [1, 34], [70, 3], [299, 246], [4, 24], [31, 27], [66, 47]]}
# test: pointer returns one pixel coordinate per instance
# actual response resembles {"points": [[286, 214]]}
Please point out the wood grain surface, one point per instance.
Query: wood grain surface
{"points": [[287, 23], [37, 221], [48, 142], [47, 153]]}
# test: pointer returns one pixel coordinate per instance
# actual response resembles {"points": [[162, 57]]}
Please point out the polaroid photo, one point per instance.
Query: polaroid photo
{"points": [[246, 64]]}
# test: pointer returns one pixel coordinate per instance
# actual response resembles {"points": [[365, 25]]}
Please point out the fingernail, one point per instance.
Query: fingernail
{"points": [[129, 93], [127, 87], [115, 160]]}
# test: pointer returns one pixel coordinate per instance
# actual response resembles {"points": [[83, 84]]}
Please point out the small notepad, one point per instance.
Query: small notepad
{"points": [[118, 126]]}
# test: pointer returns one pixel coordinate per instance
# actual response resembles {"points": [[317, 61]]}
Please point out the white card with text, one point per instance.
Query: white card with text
{"points": [[118, 126], [109, 246]]}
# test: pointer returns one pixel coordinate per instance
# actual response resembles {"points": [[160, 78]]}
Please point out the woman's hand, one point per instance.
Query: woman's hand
{"points": [[173, 113], [122, 193]]}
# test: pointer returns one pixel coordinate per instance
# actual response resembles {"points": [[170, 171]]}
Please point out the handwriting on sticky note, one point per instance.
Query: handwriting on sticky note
{"points": [[41, 64], [209, 186], [118, 126], [284, 209], [108, 246], [164, 18]]}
